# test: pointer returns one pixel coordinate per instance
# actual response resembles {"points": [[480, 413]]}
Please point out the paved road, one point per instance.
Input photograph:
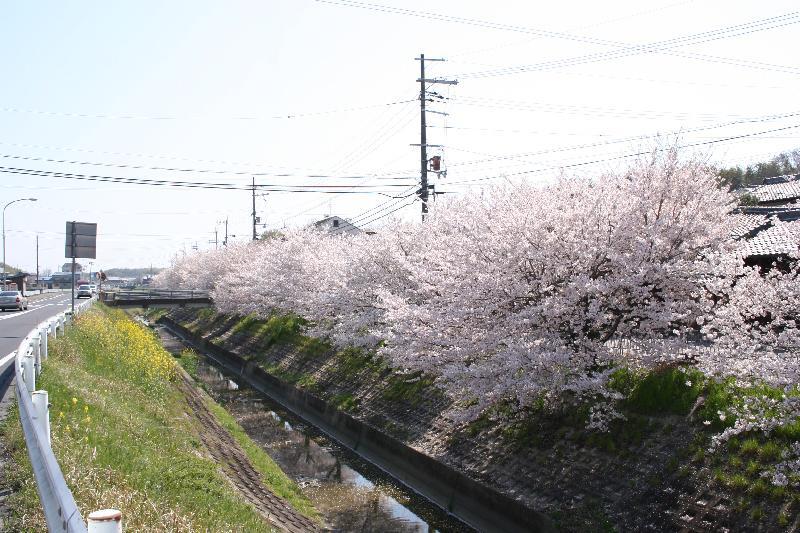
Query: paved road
{"points": [[14, 325]]}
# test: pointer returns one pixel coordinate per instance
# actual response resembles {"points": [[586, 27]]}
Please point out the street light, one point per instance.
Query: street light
{"points": [[4, 232]]}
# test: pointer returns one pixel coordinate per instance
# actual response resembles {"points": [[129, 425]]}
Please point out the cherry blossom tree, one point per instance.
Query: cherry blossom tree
{"points": [[520, 293]]}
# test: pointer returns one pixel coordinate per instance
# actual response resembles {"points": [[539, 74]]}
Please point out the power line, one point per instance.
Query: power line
{"points": [[187, 170], [174, 117], [549, 107], [621, 140], [378, 209], [378, 216], [156, 156], [623, 49], [625, 156], [322, 189]]}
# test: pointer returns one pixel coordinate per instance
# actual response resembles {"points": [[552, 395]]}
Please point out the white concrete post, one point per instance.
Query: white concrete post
{"points": [[28, 373], [37, 355], [41, 408], [105, 521], [52, 327], [43, 341]]}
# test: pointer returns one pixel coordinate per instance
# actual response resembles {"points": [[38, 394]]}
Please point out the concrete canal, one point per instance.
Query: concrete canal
{"points": [[351, 494]]}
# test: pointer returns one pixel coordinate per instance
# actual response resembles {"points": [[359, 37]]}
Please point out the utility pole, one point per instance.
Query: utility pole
{"points": [[37, 263], [423, 132], [225, 241], [255, 237], [216, 239]]}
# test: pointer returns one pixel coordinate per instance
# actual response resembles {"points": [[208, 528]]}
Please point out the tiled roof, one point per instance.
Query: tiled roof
{"points": [[777, 192], [780, 239], [744, 223], [780, 179], [766, 231]]}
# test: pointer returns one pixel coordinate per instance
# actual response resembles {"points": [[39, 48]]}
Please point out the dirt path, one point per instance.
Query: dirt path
{"points": [[237, 467]]}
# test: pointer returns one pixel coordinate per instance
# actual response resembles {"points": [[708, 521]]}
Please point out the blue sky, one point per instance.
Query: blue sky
{"points": [[96, 88]]}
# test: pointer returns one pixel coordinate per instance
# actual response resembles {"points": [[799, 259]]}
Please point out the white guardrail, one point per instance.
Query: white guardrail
{"points": [[60, 509]]}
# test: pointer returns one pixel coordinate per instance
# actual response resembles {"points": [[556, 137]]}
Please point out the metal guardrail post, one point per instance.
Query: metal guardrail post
{"points": [[28, 372], [43, 342], [37, 355], [41, 409], [105, 521], [60, 510]]}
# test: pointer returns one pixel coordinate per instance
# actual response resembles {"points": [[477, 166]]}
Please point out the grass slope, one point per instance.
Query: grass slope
{"points": [[123, 439]]}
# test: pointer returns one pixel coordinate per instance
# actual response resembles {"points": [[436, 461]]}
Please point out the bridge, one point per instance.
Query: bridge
{"points": [[148, 298]]}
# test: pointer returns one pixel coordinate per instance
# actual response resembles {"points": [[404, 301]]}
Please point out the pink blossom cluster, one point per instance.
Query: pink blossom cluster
{"points": [[519, 292]]}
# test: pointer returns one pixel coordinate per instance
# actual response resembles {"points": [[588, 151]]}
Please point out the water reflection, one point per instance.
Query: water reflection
{"points": [[346, 498]]}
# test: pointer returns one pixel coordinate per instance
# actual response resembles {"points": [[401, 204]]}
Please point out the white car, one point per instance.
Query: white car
{"points": [[93, 287], [84, 291], [13, 300]]}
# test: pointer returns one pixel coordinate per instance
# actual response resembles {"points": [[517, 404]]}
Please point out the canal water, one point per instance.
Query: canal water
{"points": [[352, 495]]}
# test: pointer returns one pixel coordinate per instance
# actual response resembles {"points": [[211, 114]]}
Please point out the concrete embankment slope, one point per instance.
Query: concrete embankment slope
{"points": [[472, 502], [547, 472]]}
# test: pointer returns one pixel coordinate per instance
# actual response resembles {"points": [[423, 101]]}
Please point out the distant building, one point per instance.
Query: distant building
{"points": [[764, 240], [67, 267], [62, 280], [336, 225], [16, 282], [113, 281], [780, 191]]}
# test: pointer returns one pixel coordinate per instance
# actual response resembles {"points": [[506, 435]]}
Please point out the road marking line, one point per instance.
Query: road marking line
{"points": [[7, 358], [18, 313]]}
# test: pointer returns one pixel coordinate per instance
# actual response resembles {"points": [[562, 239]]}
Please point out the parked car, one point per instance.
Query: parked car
{"points": [[84, 291], [93, 287], [13, 300]]}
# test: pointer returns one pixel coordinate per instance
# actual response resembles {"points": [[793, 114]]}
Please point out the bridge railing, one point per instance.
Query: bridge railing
{"points": [[153, 294], [60, 510]]}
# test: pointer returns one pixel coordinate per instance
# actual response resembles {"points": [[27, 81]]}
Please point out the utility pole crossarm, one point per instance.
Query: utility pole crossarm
{"points": [[423, 142], [437, 80]]}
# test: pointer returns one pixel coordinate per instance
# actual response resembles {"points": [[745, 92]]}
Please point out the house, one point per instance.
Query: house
{"points": [[62, 280], [15, 282], [67, 267], [769, 232], [779, 191], [336, 226]]}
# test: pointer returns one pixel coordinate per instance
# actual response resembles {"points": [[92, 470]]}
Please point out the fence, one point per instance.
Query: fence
{"points": [[153, 296], [60, 510]]}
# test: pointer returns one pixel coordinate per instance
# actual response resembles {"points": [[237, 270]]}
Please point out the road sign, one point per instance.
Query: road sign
{"points": [[81, 240]]}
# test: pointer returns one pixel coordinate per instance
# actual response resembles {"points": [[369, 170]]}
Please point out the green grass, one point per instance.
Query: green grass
{"points": [[345, 402], [671, 390], [413, 387], [154, 313], [189, 360], [124, 441], [274, 476]]}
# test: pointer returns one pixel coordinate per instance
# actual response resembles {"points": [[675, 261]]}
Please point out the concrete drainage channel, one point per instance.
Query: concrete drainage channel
{"points": [[478, 506]]}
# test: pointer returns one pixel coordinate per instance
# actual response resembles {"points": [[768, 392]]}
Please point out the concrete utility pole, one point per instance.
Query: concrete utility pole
{"points": [[423, 131], [255, 219], [216, 238]]}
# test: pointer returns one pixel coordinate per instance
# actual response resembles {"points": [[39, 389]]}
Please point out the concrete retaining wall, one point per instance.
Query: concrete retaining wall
{"points": [[471, 502]]}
